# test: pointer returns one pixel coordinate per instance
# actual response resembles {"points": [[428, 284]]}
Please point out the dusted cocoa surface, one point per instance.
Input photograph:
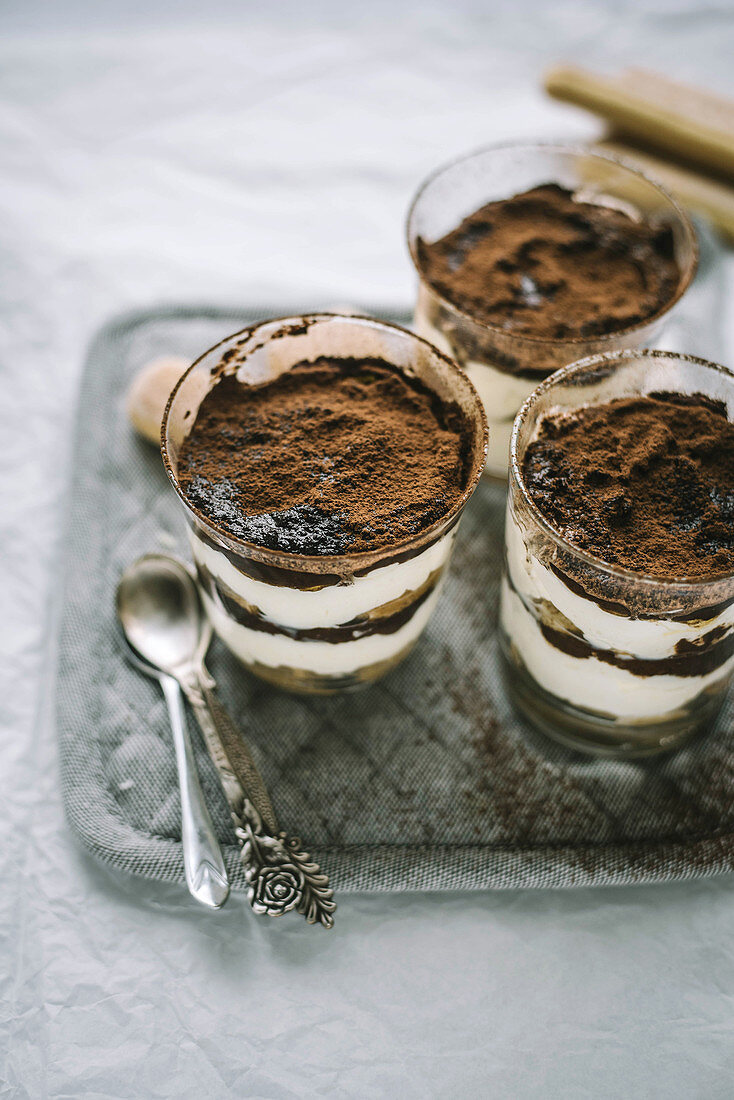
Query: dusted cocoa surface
{"points": [[334, 456], [646, 483], [542, 264]]}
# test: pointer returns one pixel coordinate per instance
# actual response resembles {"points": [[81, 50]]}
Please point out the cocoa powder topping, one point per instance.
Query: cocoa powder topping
{"points": [[543, 264], [334, 456], [646, 483]]}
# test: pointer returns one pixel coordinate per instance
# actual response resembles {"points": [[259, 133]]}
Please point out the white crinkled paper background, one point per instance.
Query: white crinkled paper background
{"points": [[241, 153]]}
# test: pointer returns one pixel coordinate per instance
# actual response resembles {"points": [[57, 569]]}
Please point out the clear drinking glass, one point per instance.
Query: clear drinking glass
{"points": [[320, 623], [504, 366], [602, 658]]}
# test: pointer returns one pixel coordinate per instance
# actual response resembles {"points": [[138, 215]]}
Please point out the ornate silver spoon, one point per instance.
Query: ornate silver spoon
{"points": [[280, 876]]}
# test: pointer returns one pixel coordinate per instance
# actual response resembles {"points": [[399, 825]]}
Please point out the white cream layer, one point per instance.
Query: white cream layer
{"points": [[501, 393], [594, 685], [333, 605], [586, 682], [322, 658]]}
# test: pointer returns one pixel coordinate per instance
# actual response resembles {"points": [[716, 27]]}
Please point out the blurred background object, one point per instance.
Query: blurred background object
{"points": [[680, 135]]}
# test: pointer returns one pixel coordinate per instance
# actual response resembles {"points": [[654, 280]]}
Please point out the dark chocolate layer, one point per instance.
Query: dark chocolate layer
{"points": [[641, 605], [701, 660], [300, 579], [346, 632], [691, 658]]}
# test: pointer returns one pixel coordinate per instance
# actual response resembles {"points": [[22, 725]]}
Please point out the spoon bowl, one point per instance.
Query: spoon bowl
{"points": [[161, 614]]}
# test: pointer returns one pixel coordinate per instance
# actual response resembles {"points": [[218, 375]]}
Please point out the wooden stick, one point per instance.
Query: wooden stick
{"points": [[656, 114]]}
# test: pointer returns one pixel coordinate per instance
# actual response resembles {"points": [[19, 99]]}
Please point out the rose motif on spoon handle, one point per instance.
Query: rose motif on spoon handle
{"points": [[281, 877]]}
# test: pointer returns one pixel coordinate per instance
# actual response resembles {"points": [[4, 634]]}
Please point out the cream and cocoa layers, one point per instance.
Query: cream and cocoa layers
{"points": [[646, 485], [332, 459]]}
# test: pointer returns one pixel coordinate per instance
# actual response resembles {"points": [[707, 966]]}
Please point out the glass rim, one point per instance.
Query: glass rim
{"points": [[618, 571], [332, 563], [570, 150]]}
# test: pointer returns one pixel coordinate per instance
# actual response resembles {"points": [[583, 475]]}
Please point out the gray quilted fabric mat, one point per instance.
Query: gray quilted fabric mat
{"points": [[425, 781]]}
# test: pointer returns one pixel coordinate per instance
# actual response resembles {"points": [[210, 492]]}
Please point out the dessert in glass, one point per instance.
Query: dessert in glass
{"points": [[324, 462], [617, 605], [533, 256]]}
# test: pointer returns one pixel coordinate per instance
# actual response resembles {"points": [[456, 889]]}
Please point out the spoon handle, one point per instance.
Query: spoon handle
{"points": [[206, 875], [280, 876], [237, 768]]}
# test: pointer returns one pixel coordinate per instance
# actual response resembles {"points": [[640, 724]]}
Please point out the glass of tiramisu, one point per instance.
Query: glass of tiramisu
{"points": [[324, 463], [533, 256], [617, 608]]}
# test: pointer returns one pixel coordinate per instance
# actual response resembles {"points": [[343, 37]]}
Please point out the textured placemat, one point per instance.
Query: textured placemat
{"points": [[424, 781]]}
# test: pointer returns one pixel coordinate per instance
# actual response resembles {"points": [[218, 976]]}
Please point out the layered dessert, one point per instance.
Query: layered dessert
{"points": [[530, 281], [326, 499], [626, 619]]}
